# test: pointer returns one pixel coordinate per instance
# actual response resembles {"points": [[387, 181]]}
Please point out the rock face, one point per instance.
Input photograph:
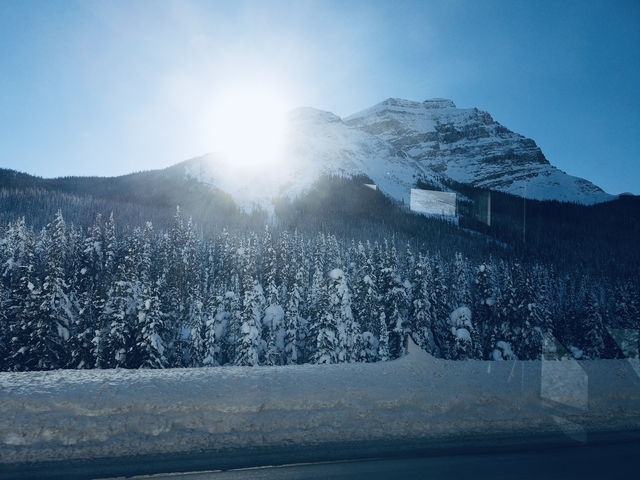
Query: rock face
{"points": [[469, 146], [395, 143]]}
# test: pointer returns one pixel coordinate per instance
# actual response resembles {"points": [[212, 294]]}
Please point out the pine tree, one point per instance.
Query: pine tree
{"points": [[151, 346], [91, 298], [369, 353], [463, 332], [507, 310], [544, 299], [120, 316], [315, 303], [593, 344], [109, 243], [5, 337], [383, 337], [484, 309], [394, 301], [440, 311], [269, 269], [460, 293], [365, 292], [232, 313], [249, 346], [212, 344], [349, 339], [56, 312], [420, 314], [330, 331], [623, 315], [15, 251], [23, 302], [273, 330], [196, 335], [291, 322], [528, 322], [326, 349]]}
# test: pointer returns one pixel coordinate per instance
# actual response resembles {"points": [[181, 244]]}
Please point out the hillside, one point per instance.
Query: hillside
{"points": [[600, 238]]}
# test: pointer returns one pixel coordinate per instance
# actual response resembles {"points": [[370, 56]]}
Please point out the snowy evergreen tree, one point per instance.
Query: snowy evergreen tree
{"points": [[269, 269], [460, 293], [440, 311], [211, 342], [507, 309], [369, 353], [527, 327], [274, 334], [329, 340], [383, 337], [24, 302], [120, 317], [291, 322], [315, 305], [462, 330], [339, 305], [90, 298], [5, 338], [484, 304], [420, 314], [109, 244], [56, 313], [151, 347], [394, 302], [593, 344], [230, 315], [249, 344], [197, 333]]}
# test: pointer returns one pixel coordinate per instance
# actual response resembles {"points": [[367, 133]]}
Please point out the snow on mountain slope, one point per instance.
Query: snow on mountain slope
{"points": [[394, 143], [469, 146], [319, 143]]}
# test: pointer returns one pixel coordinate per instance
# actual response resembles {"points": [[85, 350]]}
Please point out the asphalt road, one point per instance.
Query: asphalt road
{"points": [[610, 461], [611, 456]]}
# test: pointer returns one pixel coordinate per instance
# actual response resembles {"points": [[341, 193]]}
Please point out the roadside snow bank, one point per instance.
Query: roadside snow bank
{"points": [[78, 414]]}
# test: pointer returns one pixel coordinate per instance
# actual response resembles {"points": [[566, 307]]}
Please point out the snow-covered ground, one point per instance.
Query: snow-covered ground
{"points": [[78, 414]]}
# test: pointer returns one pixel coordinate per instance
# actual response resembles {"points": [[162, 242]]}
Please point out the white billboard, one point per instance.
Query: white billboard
{"points": [[433, 202]]}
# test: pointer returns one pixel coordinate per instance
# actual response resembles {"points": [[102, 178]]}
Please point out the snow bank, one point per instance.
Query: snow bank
{"points": [[76, 414]]}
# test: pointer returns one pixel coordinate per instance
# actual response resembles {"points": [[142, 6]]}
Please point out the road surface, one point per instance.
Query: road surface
{"points": [[610, 456], [611, 461]]}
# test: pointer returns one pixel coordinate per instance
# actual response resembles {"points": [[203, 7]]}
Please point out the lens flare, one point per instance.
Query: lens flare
{"points": [[249, 128]]}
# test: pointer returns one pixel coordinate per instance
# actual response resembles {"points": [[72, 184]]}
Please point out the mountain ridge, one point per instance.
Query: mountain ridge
{"points": [[396, 143], [468, 146]]}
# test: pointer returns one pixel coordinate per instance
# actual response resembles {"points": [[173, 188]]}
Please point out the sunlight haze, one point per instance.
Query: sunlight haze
{"points": [[104, 88]]}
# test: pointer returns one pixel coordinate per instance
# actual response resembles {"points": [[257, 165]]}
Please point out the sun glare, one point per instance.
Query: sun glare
{"points": [[249, 127]]}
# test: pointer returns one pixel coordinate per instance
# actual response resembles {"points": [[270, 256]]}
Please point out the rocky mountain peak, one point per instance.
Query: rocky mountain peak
{"points": [[398, 141], [433, 103]]}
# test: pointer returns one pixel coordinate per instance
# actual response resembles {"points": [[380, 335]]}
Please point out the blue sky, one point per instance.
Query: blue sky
{"points": [[105, 88]]}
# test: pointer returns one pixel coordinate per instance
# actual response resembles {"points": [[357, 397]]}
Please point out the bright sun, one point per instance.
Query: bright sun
{"points": [[249, 126]]}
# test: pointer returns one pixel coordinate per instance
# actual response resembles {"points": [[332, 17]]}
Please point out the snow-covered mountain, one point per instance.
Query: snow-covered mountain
{"points": [[395, 143], [469, 146]]}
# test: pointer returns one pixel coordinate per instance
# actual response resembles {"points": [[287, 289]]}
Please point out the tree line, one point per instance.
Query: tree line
{"points": [[98, 297]]}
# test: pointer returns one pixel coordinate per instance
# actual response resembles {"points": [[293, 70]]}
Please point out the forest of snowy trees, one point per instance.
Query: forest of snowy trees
{"points": [[104, 298]]}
